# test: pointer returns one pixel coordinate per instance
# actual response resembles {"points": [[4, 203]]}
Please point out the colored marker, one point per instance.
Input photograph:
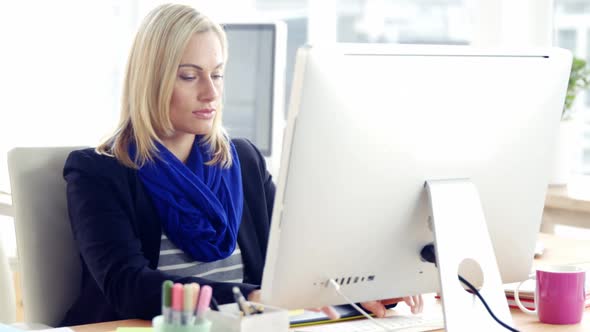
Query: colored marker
{"points": [[204, 299], [167, 301], [177, 304], [188, 307], [196, 288]]}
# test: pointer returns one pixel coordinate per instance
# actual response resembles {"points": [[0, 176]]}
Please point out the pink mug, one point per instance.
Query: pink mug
{"points": [[559, 294]]}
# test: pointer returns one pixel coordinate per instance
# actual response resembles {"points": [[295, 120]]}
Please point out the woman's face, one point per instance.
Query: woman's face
{"points": [[198, 86]]}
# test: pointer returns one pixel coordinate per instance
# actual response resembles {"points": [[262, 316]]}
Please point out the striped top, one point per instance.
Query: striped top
{"points": [[174, 261]]}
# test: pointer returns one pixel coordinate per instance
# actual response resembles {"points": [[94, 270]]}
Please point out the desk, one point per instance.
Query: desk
{"points": [[557, 250]]}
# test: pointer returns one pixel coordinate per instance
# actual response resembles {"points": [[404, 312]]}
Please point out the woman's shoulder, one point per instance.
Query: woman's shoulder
{"points": [[90, 162], [248, 152]]}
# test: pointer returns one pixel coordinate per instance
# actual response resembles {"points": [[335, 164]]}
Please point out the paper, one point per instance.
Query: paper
{"points": [[22, 327], [135, 329]]}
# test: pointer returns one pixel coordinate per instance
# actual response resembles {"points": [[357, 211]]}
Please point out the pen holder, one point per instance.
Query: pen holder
{"points": [[230, 319], [159, 326]]}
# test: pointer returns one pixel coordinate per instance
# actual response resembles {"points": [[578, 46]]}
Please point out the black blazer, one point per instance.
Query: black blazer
{"points": [[117, 231]]}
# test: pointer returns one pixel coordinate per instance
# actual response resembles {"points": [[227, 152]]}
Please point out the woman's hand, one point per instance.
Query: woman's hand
{"points": [[254, 296], [415, 303]]}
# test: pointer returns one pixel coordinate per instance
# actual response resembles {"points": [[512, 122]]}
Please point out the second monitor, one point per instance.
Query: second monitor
{"points": [[254, 84], [368, 126]]}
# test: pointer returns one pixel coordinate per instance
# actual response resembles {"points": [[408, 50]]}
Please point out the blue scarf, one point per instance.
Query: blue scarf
{"points": [[200, 206]]}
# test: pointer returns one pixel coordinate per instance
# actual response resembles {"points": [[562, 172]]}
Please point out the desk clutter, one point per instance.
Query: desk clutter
{"points": [[185, 308]]}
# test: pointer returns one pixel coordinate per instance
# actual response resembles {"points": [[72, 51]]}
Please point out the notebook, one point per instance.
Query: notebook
{"points": [[395, 322], [306, 317]]}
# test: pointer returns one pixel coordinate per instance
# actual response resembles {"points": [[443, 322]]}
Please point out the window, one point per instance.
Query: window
{"points": [[403, 21], [572, 31], [62, 72]]}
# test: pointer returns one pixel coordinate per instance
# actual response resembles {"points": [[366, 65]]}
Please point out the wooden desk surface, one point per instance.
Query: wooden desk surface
{"points": [[557, 251]]}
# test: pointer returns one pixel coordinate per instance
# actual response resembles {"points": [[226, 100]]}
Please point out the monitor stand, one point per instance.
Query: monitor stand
{"points": [[460, 233]]}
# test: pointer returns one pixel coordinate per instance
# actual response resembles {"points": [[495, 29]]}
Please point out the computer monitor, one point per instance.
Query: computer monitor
{"points": [[254, 85], [368, 125]]}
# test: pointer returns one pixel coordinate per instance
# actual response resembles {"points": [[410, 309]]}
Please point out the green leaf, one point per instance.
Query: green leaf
{"points": [[579, 80]]}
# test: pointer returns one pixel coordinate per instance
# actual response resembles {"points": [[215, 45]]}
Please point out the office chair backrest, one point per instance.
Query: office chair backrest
{"points": [[48, 259], [7, 297]]}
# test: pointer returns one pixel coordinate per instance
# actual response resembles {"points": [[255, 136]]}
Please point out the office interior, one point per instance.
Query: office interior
{"points": [[62, 70]]}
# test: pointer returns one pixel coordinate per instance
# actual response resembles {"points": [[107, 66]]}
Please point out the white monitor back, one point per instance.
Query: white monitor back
{"points": [[368, 125]]}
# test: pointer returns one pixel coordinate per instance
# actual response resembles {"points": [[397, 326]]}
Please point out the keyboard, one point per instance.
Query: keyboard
{"points": [[402, 323]]}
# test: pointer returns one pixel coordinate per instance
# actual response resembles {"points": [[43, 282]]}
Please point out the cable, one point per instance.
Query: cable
{"points": [[485, 304], [336, 287], [428, 254]]}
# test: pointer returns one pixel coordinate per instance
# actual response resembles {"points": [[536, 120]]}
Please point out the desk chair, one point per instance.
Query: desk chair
{"points": [[49, 261], [7, 297]]}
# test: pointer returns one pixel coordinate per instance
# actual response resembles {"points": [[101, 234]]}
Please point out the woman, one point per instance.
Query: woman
{"points": [[168, 196]]}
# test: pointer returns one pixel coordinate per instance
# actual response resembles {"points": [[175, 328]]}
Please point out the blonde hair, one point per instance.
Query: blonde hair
{"points": [[149, 81]]}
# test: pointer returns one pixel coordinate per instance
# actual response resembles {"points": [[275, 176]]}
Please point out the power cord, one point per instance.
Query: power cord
{"points": [[428, 254], [485, 304], [336, 287]]}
